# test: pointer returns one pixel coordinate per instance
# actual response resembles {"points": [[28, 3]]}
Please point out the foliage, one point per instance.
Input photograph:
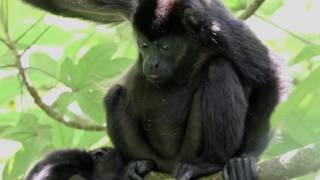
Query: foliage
{"points": [[72, 63]]}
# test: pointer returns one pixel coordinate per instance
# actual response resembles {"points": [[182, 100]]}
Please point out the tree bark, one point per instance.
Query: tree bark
{"points": [[290, 165]]}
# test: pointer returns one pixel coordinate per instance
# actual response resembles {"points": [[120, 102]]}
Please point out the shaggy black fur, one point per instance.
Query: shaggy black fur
{"points": [[199, 98]]}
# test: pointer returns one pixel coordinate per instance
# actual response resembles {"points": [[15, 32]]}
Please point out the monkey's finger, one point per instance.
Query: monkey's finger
{"points": [[239, 168], [247, 168], [132, 173]]}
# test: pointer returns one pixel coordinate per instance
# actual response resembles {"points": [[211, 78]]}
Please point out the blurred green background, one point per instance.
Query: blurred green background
{"points": [[72, 63]]}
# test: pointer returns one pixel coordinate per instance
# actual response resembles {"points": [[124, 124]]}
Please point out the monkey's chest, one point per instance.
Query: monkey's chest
{"points": [[164, 126]]}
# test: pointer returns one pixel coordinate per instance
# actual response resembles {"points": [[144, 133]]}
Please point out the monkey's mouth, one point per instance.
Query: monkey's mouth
{"points": [[156, 79]]}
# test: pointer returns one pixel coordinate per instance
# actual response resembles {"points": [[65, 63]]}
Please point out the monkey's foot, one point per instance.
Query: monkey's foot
{"points": [[184, 171], [243, 168], [138, 169]]}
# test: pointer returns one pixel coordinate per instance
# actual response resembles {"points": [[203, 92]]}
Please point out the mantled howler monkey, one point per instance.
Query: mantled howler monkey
{"points": [[200, 95], [74, 164]]}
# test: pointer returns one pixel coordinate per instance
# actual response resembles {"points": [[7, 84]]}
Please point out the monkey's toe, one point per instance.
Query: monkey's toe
{"points": [[240, 169]]}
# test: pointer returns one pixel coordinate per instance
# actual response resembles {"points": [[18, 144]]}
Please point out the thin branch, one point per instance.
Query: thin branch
{"points": [[251, 9], [4, 42], [4, 16], [285, 30], [29, 29], [290, 165], [77, 122], [7, 15], [254, 6], [36, 40], [8, 66]]}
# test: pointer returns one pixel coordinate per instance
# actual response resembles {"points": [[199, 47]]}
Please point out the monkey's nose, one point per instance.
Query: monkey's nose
{"points": [[155, 65]]}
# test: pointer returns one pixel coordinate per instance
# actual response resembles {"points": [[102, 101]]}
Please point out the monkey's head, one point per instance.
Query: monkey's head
{"points": [[161, 57], [162, 40]]}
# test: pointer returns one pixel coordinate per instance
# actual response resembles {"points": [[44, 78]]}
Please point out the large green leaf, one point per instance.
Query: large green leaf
{"points": [[36, 140], [44, 63], [297, 120], [68, 74]]}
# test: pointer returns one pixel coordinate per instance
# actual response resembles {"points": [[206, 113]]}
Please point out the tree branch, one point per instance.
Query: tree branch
{"points": [[251, 9], [78, 122], [290, 165]]}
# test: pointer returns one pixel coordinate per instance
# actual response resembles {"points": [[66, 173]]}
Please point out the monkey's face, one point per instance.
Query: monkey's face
{"points": [[161, 57]]}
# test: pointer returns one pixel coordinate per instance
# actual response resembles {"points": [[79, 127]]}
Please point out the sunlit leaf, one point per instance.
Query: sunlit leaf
{"points": [[306, 54]]}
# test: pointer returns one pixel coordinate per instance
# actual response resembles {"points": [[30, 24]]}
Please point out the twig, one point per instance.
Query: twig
{"points": [[290, 165], [7, 15], [251, 9], [4, 15], [8, 66], [285, 30], [77, 122], [4, 42], [36, 40], [254, 6], [29, 29]]}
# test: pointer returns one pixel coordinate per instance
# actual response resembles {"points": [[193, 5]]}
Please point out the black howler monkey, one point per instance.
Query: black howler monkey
{"points": [[200, 95], [74, 164]]}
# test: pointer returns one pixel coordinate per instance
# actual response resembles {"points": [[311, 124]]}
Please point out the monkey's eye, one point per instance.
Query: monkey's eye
{"points": [[165, 47], [144, 45]]}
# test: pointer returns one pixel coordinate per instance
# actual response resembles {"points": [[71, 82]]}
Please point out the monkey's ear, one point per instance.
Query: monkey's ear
{"points": [[104, 11]]}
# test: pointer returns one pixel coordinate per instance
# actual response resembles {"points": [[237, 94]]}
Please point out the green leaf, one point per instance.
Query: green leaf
{"points": [[26, 129], [116, 67], [10, 88], [10, 118], [271, 6], [45, 63], [306, 54], [93, 62], [90, 101], [36, 140], [7, 58], [64, 101], [68, 74], [54, 36], [236, 5], [296, 120]]}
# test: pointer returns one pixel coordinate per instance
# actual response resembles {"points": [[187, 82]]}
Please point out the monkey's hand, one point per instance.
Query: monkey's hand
{"points": [[206, 30], [138, 169], [183, 171], [243, 168]]}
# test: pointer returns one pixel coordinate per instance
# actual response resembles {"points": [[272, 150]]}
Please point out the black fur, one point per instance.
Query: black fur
{"points": [[104, 11], [100, 164], [198, 99]]}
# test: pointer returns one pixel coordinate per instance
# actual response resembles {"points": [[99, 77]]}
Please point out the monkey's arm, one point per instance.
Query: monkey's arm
{"points": [[262, 102], [222, 110], [256, 70], [225, 109], [126, 137], [104, 11]]}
